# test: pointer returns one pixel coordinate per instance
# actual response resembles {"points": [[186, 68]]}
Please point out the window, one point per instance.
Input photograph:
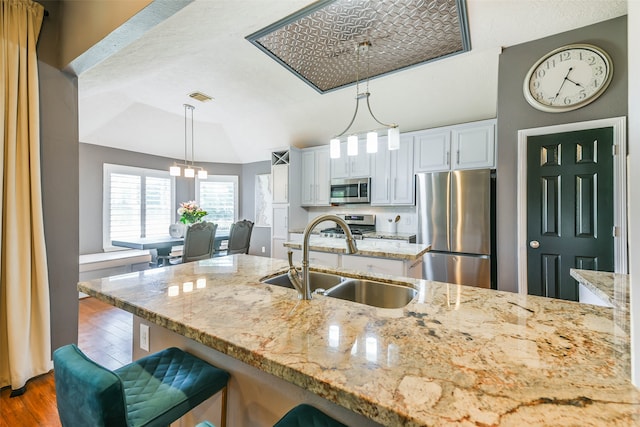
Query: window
{"points": [[218, 195], [137, 202]]}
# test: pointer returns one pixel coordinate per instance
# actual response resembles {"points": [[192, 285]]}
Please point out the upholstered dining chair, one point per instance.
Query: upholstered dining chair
{"points": [[240, 237], [198, 243], [153, 391]]}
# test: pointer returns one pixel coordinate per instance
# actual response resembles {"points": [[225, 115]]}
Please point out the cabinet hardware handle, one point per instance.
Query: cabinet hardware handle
{"points": [[458, 157], [448, 158]]}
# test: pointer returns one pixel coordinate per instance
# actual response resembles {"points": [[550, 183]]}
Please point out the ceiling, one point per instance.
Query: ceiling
{"points": [[133, 100]]}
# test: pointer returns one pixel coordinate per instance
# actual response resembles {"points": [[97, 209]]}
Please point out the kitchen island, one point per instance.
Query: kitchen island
{"points": [[455, 355]]}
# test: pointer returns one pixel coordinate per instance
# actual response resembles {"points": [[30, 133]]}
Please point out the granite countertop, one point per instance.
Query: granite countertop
{"points": [[455, 355], [388, 235], [381, 248], [613, 288]]}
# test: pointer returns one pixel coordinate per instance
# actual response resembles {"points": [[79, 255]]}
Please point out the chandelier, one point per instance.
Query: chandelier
{"points": [[189, 169], [393, 131]]}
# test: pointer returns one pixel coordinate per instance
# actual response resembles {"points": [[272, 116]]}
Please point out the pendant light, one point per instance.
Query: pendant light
{"points": [[189, 169], [393, 132]]}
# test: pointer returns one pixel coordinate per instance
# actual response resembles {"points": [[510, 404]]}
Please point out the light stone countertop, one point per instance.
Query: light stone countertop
{"points": [[613, 288], [455, 355], [381, 248], [387, 235]]}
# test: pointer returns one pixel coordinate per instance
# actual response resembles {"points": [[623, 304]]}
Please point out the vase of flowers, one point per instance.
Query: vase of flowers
{"points": [[190, 212]]}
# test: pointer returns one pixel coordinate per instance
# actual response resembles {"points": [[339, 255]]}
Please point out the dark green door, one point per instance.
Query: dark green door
{"points": [[569, 209]]}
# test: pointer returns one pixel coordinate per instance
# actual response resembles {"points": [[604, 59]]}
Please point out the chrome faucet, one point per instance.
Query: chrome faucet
{"points": [[302, 285]]}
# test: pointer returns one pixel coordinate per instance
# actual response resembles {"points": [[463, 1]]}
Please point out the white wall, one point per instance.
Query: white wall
{"points": [[633, 34]]}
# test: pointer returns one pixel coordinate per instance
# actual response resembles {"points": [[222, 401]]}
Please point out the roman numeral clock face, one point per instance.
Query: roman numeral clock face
{"points": [[568, 78]]}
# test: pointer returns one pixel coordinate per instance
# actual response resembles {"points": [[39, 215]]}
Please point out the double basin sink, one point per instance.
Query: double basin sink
{"points": [[369, 292]]}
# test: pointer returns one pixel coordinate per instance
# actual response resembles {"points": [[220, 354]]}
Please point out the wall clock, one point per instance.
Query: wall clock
{"points": [[568, 78]]}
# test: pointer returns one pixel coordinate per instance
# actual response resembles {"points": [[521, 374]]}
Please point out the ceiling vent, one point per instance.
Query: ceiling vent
{"points": [[200, 96], [317, 43]]}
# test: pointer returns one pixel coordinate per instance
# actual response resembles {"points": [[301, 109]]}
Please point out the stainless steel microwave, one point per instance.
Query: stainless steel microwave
{"points": [[352, 190]]}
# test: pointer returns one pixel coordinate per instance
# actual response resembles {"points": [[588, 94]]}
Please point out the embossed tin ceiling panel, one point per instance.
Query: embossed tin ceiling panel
{"points": [[318, 43]]}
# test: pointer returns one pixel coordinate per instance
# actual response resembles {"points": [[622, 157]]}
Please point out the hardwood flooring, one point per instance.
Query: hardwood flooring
{"points": [[104, 335]]}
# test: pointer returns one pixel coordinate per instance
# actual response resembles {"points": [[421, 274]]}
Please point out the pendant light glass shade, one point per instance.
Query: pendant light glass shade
{"points": [[372, 142], [189, 173], [174, 171], [334, 148], [393, 138], [202, 174], [352, 145]]}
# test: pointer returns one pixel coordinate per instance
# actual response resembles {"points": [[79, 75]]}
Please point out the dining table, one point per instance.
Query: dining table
{"points": [[160, 246]]}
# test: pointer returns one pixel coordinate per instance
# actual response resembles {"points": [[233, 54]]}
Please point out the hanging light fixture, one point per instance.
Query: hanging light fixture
{"points": [[393, 132], [189, 169]]}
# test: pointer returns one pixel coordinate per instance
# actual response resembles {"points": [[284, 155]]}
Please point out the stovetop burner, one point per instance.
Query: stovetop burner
{"points": [[358, 224]]}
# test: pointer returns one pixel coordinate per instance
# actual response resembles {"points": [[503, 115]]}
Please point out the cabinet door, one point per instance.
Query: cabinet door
{"points": [[280, 227], [432, 151], [340, 166], [380, 179], [360, 165], [474, 146], [322, 177], [352, 166], [308, 181], [280, 182], [393, 267], [403, 181]]}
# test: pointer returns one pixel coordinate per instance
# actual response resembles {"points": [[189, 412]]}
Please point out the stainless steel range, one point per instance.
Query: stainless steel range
{"points": [[358, 224]]}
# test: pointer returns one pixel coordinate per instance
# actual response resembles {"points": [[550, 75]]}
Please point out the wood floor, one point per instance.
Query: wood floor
{"points": [[104, 334]]}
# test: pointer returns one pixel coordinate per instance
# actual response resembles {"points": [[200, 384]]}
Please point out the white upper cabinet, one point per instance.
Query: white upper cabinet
{"points": [[392, 180], [280, 182], [474, 145], [466, 146], [352, 166], [315, 177]]}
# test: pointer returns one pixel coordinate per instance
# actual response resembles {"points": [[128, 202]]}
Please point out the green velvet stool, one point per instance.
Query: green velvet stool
{"points": [[307, 416], [153, 391]]}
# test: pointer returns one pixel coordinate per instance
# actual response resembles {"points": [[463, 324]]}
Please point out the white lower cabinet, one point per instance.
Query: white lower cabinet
{"points": [[373, 265], [325, 259], [393, 267]]}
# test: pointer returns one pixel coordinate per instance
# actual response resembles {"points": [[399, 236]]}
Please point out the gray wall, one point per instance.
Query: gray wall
{"points": [[514, 113], [261, 236], [92, 159], [59, 144]]}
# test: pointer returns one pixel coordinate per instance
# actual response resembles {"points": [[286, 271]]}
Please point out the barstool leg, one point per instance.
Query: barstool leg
{"points": [[223, 415]]}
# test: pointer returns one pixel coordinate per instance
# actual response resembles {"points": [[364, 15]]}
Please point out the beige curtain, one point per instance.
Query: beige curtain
{"points": [[25, 343]]}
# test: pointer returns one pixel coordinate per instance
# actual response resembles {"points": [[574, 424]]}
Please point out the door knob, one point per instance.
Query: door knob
{"points": [[534, 244]]}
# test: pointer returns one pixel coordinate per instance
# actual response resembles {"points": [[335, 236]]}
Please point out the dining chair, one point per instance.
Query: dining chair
{"points": [[153, 391], [240, 237], [198, 243]]}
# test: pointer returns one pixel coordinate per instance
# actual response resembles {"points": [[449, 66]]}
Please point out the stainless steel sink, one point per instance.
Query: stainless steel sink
{"points": [[377, 294], [369, 292], [318, 280]]}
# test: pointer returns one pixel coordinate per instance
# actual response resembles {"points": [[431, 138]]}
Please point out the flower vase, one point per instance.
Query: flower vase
{"points": [[178, 229]]}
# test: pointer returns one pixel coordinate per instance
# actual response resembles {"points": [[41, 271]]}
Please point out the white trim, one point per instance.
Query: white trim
{"points": [[619, 125]]}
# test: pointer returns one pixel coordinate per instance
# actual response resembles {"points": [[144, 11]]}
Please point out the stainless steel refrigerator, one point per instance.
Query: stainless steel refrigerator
{"points": [[456, 214]]}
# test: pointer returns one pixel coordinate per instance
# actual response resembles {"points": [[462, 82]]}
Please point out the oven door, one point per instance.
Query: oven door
{"points": [[350, 190]]}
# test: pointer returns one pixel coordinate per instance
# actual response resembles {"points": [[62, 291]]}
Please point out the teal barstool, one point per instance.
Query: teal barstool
{"points": [[153, 391], [307, 416]]}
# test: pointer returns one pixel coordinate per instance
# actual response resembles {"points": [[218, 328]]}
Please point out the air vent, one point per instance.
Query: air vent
{"points": [[200, 96]]}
